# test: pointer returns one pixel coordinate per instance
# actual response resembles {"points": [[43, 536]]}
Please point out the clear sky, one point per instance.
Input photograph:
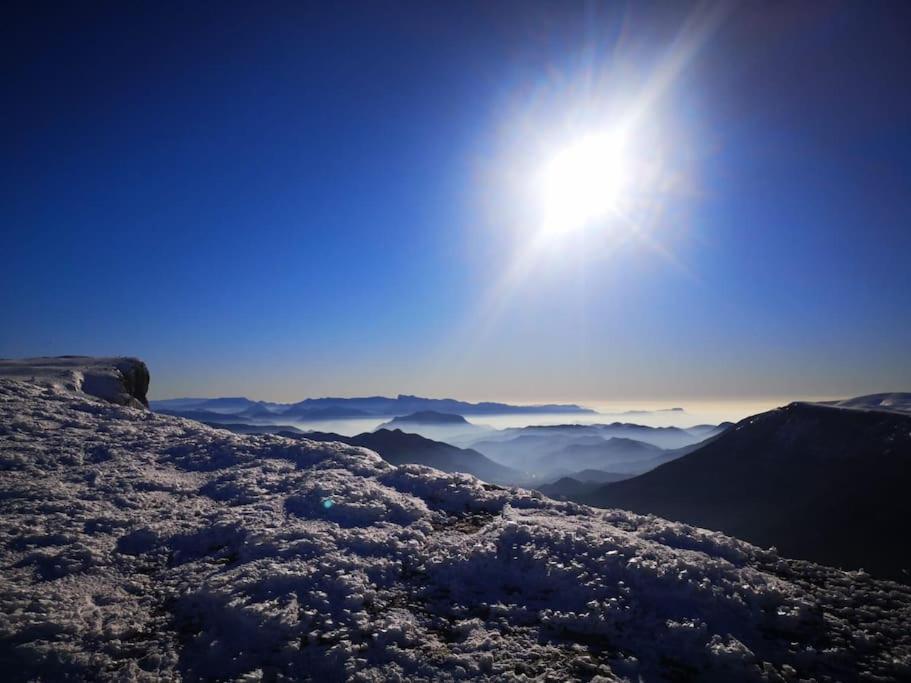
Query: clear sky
{"points": [[283, 200]]}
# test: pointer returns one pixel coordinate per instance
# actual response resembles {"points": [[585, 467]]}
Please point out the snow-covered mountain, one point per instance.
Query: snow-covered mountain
{"points": [[897, 402], [139, 546]]}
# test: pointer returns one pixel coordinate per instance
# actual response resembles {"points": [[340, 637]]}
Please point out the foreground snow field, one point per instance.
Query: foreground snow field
{"points": [[141, 546]]}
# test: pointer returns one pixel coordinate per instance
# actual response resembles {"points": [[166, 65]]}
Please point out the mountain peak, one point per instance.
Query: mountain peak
{"points": [[430, 417]]}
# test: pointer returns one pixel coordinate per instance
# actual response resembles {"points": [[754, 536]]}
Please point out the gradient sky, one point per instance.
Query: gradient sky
{"points": [[283, 200]]}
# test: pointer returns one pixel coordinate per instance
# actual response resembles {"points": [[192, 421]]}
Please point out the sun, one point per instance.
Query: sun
{"points": [[582, 182]]}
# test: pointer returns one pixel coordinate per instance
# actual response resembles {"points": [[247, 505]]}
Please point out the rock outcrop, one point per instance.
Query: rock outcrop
{"points": [[120, 380]]}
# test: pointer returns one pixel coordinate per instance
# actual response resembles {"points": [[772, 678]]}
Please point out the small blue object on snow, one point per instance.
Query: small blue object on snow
{"points": [[327, 503]]}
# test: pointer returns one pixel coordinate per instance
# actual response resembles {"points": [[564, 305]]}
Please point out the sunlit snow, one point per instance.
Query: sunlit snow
{"points": [[136, 545]]}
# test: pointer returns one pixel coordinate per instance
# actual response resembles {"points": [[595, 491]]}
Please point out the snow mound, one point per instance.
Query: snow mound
{"points": [[118, 380], [138, 546], [896, 402]]}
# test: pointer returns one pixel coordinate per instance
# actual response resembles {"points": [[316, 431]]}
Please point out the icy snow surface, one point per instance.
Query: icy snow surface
{"points": [[118, 379], [142, 546], [896, 402]]}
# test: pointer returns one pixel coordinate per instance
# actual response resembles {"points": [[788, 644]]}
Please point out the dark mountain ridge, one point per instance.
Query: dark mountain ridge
{"points": [[663, 437], [616, 454], [399, 448], [429, 417], [550, 451], [820, 482], [369, 406]]}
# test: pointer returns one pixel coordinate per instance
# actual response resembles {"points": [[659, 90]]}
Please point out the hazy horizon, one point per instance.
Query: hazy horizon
{"points": [[635, 401], [649, 413]]}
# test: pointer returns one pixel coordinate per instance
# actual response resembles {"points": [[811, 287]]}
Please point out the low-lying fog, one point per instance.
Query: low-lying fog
{"points": [[651, 414]]}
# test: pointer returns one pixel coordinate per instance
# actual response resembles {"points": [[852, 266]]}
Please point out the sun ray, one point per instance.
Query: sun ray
{"points": [[600, 181]]}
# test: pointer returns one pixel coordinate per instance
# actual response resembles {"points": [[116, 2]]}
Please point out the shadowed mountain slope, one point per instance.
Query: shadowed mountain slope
{"points": [[575, 486], [818, 482], [426, 417], [399, 448]]}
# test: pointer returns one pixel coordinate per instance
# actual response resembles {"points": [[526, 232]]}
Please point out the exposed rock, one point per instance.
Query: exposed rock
{"points": [[120, 380]]}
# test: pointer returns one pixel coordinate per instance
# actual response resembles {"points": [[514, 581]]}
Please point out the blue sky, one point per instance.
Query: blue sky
{"points": [[307, 199]]}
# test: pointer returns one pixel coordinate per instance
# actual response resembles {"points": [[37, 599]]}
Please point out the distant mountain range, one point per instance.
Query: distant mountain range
{"points": [[398, 448], [824, 482], [426, 417], [535, 458], [648, 412], [663, 437], [550, 452], [527, 455], [447, 427], [216, 409], [618, 453]]}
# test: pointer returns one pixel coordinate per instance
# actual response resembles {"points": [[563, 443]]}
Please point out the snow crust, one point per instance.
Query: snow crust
{"points": [[137, 546], [118, 380], [895, 402]]}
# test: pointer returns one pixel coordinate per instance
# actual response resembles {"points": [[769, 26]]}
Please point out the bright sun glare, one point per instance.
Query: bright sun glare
{"points": [[582, 182]]}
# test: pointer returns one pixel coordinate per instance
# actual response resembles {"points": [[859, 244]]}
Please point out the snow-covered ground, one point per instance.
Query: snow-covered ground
{"points": [[140, 546]]}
